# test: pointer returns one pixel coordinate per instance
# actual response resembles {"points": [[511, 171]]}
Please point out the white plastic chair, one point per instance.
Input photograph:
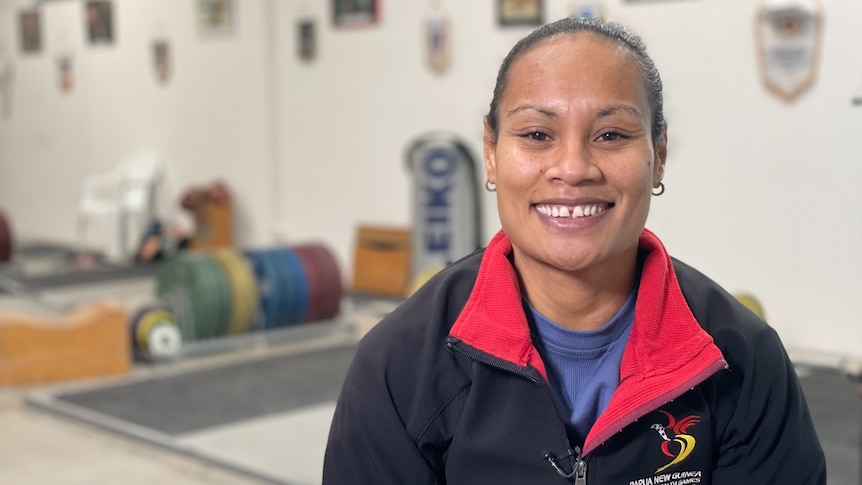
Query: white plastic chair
{"points": [[123, 199]]}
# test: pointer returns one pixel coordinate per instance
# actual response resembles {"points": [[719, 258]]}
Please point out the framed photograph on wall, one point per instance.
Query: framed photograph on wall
{"points": [[216, 17], [307, 30], [520, 12], [30, 24], [100, 21], [351, 13]]}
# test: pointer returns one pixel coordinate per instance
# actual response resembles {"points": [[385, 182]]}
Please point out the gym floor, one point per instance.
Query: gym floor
{"points": [[38, 446]]}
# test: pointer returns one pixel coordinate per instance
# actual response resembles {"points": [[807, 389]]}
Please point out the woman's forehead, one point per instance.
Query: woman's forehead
{"points": [[576, 65]]}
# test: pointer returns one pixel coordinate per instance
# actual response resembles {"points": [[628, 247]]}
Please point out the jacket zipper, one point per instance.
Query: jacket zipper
{"points": [[579, 469]]}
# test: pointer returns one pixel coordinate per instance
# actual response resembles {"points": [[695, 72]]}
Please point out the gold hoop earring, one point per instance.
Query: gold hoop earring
{"points": [[660, 189], [489, 186]]}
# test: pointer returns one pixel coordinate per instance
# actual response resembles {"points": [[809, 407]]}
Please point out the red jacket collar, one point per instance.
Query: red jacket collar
{"points": [[668, 351]]}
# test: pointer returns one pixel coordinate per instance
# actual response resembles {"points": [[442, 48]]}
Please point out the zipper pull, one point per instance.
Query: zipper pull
{"points": [[580, 471]]}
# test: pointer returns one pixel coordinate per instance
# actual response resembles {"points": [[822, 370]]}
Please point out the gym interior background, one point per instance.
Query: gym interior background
{"points": [[307, 122]]}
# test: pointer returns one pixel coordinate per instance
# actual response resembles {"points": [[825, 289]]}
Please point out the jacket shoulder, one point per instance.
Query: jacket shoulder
{"points": [[429, 313], [714, 307]]}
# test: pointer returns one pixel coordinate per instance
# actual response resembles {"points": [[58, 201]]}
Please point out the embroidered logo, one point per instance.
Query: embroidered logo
{"points": [[681, 444]]}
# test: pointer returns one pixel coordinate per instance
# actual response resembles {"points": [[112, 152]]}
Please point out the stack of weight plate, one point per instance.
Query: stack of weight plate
{"points": [[5, 239], [197, 290], [226, 292], [297, 285], [155, 335]]}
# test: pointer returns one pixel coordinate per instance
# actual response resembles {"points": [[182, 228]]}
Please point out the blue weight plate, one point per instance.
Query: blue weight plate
{"points": [[297, 286], [268, 286], [283, 293]]}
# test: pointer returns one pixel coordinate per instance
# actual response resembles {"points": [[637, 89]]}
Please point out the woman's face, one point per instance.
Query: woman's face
{"points": [[574, 161]]}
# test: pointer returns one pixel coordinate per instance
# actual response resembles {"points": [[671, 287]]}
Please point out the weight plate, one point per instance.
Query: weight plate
{"points": [[193, 274], [297, 286], [243, 288], [282, 288], [164, 340], [316, 290], [147, 321], [266, 276], [5, 239], [220, 296], [331, 277]]}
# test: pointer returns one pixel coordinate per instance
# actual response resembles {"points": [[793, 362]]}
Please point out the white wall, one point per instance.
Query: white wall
{"points": [[209, 122], [761, 194]]}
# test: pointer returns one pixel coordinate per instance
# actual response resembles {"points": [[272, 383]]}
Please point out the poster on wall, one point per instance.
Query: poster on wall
{"points": [[100, 21], [216, 17], [789, 34], [353, 13], [30, 25], [307, 42], [520, 12], [162, 61], [438, 40], [65, 72]]}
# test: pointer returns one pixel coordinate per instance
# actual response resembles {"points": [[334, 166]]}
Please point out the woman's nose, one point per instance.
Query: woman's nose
{"points": [[573, 164]]}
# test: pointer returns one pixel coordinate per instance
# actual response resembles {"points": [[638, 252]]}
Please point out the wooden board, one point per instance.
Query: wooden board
{"points": [[87, 342], [382, 261]]}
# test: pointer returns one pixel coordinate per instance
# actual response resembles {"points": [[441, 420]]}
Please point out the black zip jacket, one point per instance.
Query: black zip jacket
{"points": [[449, 389]]}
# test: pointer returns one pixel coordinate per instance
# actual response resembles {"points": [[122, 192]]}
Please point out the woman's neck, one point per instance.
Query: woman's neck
{"points": [[579, 300]]}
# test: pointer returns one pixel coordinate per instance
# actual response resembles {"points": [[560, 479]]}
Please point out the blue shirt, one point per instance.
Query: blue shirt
{"points": [[584, 366]]}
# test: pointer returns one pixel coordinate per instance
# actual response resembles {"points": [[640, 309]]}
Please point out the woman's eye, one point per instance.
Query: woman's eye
{"points": [[537, 136], [612, 136]]}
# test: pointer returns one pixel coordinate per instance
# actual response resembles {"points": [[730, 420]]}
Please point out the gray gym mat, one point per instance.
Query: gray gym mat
{"points": [[198, 400], [204, 399], [836, 408]]}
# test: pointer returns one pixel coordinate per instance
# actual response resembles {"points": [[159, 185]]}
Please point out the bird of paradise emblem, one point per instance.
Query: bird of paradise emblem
{"points": [[684, 441]]}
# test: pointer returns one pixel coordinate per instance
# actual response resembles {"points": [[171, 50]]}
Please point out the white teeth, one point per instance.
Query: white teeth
{"points": [[574, 212]]}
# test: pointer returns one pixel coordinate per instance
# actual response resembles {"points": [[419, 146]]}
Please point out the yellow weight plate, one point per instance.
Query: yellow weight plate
{"points": [[752, 304], [148, 320], [244, 291]]}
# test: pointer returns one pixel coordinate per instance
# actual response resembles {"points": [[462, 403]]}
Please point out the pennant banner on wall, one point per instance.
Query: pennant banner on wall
{"points": [[162, 62], [438, 40], [788, 39], [6, 77], [65, 72]]}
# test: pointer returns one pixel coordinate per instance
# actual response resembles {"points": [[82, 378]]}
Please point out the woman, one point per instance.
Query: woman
{"points": [[573, 349]]}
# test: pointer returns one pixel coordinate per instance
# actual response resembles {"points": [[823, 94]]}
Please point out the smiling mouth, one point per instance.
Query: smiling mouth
{"points": [[572, 211]]}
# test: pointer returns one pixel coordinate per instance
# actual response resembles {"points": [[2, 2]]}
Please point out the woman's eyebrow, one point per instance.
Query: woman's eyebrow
{"points": [[533, 107], [617, 108]]}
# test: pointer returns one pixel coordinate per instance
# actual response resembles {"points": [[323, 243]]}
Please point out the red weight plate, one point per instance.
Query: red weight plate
{"points": [[316, 288], [334, 287], [5, 239]]}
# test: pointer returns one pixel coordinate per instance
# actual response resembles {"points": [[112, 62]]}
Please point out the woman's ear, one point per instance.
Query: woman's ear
{"points": [[660, 158], [489, 153]]}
